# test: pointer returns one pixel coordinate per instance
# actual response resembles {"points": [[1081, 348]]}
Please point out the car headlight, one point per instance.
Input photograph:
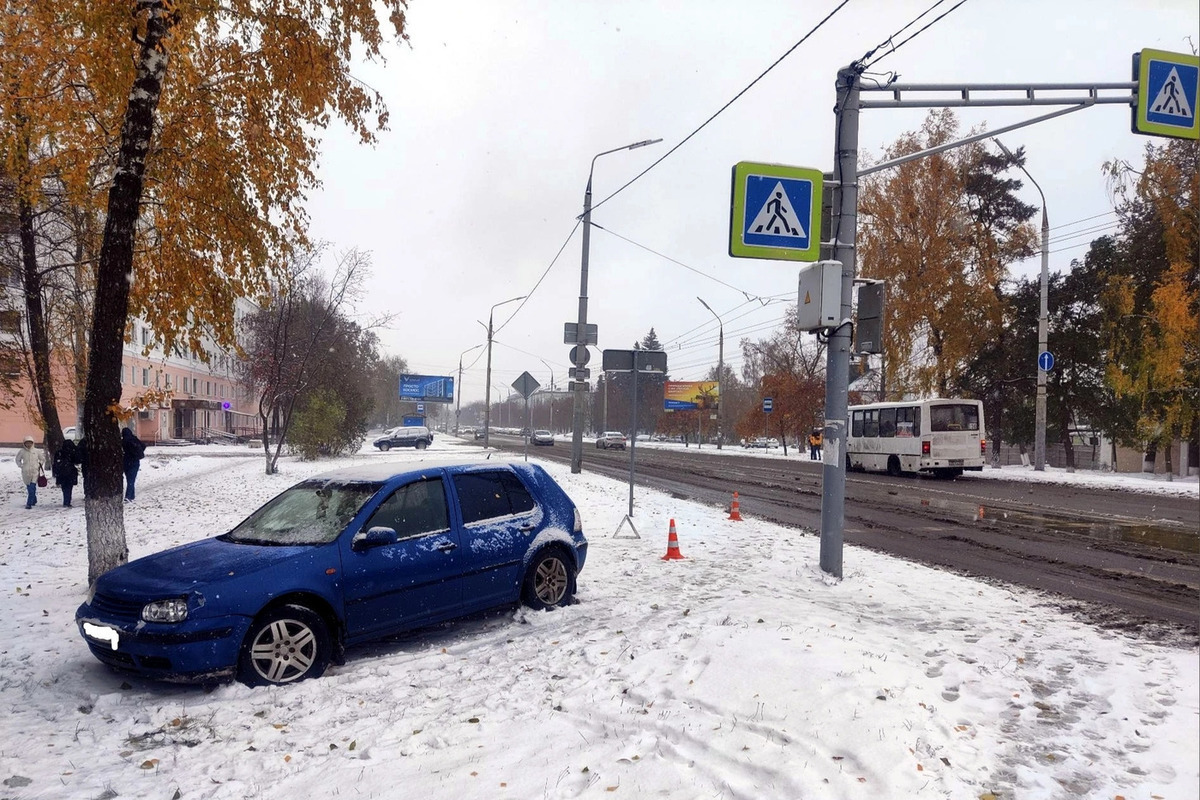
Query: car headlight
{"points": [[578, 528], [173, 610]]}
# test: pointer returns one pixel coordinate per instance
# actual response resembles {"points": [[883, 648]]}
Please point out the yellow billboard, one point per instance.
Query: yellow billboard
{"points": [[690, 395]]}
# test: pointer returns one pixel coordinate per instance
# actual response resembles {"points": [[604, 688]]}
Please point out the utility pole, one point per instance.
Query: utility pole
{"points": [[1039, 413], [720, 373]]}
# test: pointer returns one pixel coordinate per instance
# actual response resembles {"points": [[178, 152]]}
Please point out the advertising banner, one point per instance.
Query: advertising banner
{"points": [[427, 388], [690, 395]]}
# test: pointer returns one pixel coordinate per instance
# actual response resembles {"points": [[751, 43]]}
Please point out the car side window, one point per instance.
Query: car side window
{"points": [[487, 495], [414, 509], [519, 499]]}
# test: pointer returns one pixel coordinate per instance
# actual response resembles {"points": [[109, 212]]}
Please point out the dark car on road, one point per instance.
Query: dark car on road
{"points": [[336, 560], [542, 438], [417, 436]]}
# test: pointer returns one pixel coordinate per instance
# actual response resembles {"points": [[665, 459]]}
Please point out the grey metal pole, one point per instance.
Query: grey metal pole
{"points": [[487, 392], [837, 370], [581, 336], [720, 376], [1039, 414], [633, 432], [551, 423], [720, 372], [458, 401], [1039, 431]]}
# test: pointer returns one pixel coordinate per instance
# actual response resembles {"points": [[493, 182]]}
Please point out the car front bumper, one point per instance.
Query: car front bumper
{"points": [[190, 651]]}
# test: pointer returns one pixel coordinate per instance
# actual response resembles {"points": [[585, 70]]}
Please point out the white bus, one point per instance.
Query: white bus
{"points": [[939, 437]]}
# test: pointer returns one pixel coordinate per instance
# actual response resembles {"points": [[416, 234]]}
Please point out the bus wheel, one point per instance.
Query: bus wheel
{"points": [[893, 466]]}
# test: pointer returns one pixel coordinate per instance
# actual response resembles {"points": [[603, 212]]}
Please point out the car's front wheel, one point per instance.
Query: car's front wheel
{"points": [[285, 645], [384, 446], [550, 580]]}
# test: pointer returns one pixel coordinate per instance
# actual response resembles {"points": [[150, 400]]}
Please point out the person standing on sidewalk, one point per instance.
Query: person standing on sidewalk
{"points": [[31, 462], [66, 470], [132, 451]]}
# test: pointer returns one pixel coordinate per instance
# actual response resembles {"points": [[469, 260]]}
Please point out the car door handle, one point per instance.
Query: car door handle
{"points": [[446, 547], [527, 527]]}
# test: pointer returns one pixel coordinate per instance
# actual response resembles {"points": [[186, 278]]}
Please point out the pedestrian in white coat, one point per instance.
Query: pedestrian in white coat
{"points": [[32, 463]]}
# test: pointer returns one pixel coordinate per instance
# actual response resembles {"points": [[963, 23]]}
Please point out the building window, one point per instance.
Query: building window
{"points": [[145, 376]]}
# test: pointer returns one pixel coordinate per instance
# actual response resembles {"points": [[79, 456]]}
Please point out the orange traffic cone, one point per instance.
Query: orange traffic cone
{"points": [[672, 545], [735, 510]]}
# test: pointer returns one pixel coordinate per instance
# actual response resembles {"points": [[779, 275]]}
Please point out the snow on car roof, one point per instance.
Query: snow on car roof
{"points": [[390, 469]]}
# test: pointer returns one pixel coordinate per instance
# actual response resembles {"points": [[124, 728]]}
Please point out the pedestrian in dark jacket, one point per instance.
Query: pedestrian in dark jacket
{"points": [[132, 449], [66, 471]]}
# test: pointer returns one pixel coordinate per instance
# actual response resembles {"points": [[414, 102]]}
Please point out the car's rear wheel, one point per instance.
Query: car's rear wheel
{"points": [[550, 580], [421, 445], [384, 446], [285, 645]]}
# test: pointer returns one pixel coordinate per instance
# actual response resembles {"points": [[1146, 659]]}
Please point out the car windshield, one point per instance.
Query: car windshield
{"points": [[312, 512]]}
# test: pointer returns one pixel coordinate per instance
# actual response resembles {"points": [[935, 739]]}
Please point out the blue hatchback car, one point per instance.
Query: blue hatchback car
{"points": [[336, 560]]}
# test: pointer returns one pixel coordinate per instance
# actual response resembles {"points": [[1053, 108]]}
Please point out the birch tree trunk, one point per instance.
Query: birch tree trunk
{"points": [[104, 509]]}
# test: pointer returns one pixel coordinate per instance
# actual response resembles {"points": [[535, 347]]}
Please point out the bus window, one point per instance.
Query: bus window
{"points": [[908, 421], [954, 418], [871, 422], [887, 422], [856, 424]]}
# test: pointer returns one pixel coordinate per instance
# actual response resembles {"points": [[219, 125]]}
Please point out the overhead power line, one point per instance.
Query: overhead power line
{"points": [[897, 46], [719, 111]]}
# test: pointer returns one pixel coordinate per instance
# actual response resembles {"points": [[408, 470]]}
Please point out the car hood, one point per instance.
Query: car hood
{"points": [[192, 566]]}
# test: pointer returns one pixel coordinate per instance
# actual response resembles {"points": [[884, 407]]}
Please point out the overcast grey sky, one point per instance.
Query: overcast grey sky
{"points": [[498, 107]]}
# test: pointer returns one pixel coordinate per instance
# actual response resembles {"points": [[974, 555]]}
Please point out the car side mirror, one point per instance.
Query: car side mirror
{"points": [[373, 537]]}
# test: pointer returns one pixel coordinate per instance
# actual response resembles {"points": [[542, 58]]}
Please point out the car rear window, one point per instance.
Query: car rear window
{"points": [[487, 495]]}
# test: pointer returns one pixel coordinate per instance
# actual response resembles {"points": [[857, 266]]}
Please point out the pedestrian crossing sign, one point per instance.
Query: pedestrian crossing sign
{"points": [[1167, 88], [775, 212]]}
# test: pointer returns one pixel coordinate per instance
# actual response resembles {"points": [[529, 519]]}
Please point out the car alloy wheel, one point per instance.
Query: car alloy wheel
{"points": [[550, 581], [286, 645], [384, 446]]}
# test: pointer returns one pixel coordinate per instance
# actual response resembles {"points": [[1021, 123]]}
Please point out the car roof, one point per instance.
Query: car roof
{"points": [[380, 472]]}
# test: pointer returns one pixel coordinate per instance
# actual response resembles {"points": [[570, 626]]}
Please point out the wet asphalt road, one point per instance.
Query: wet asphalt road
{"points": [[1121, 559]]}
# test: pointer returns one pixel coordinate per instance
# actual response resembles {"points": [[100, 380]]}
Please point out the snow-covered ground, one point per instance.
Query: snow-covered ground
{"points": [[739, 672]]}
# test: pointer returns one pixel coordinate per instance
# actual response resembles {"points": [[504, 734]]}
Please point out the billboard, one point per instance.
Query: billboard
{"points": [[427, 388], [690, 395]]}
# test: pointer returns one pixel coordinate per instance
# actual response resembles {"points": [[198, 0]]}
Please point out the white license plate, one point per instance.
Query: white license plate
{"points": [[102, 633], [956, 462]]}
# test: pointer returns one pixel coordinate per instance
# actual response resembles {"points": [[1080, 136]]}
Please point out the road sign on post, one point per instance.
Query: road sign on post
{"points": [[571, 333], [768, 405], [525, 385], [1167, 89], [576, 355], [1045, 361], [775, 212]]}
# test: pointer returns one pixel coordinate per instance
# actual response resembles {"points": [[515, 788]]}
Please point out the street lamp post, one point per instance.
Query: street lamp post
{"points": [[720, 371], [551, 425], [458, 401], [1039, 423], [487, 400], [581, 341]]}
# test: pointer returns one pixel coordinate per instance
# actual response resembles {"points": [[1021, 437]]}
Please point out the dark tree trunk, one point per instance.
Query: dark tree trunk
{"points": [[39, 342], [114, 274]]}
